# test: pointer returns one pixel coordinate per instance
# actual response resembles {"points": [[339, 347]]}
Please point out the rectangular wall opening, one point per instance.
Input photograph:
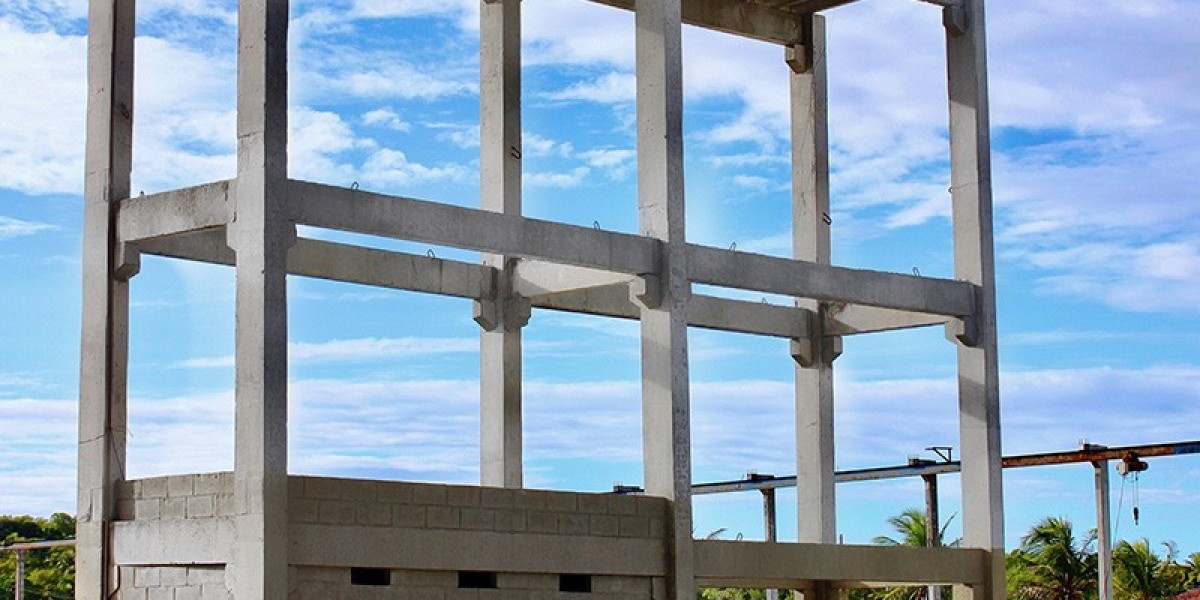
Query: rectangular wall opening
{"points": [[370, 576], [477, 580], [573, 582]]}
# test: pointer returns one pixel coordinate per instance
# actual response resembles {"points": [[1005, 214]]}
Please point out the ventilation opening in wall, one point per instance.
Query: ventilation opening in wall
{"points": [[368, 576], [575, 583], [477, 579]]}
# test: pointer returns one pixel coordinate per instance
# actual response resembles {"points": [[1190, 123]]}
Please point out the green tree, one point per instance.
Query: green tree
{"points": [[1140, 574], [1051, 564], [911, 528], [50, 573]]}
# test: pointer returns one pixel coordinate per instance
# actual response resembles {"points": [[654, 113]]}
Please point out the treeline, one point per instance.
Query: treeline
{"points": [[49, 573], [1052, 563]]}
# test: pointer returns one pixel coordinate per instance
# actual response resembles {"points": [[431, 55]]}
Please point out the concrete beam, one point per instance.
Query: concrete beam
{"points": [[774, 275], [177, 211], [104, 343], [533, 278], [785, 565], [359, 211], [853, 319], [754, 20], [808, 7], [173, 542]]}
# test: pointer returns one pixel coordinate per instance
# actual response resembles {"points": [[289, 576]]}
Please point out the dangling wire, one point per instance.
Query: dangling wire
{"points": [[1136, 515], [1120, 506]]}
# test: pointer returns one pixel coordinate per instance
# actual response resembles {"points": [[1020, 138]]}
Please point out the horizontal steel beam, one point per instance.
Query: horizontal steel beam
{"points": [[39, 545], [914, 470], [770, 274], [791, 565], [748, 19]]}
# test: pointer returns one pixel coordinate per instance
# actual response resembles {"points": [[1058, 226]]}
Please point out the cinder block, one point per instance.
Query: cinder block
{"points": [[431, 494], [634, 526], [173, 508], [620, 504], [374, 513], [358, 490], [605, 525], [226, 507], [480, 519], [395, 493], [188, 593], [651, 507], [207, 483], [160, 593], [462, 496], [147, 509], [594, 504], [179, 486], [199, 507], [658, 527], [295, 487], [561, 501], [132, 593], [427, 594], [510, 520], [173, 576], [336, 512], [406, 515], [327, 574], [145, 577], [426, 579], [155, 487], [322, 488], [529, 499], [490, 497], [541, 521], [124, 490], [214, 591], [303, 510], [126, 510], [200, 575], [443, 517], [573, 524]]}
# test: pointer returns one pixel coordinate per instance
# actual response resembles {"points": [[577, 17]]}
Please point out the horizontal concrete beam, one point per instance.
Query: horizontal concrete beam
{"points": [[812, 6], [705, 312], [346, 263], [770, 274], [748, 19], [177, 211], [851, 319], [173, 541], [533, 278], [472, 550], [359, 211], [786, 565]]}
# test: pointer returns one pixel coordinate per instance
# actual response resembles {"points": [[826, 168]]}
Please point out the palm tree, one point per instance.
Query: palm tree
{"points": [[911, 526], [1139, 574], [1051, 564]]}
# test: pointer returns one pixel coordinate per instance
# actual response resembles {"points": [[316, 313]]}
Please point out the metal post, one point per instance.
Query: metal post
{"points": [[932, 524], [19, 585], [770, 529], [1103, 533]]}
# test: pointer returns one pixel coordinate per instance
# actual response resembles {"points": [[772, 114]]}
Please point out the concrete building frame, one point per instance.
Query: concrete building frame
{"points": [[260, 533]]}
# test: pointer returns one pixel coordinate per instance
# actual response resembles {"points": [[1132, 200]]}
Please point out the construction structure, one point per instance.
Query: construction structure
{"points": [[258, 532]]}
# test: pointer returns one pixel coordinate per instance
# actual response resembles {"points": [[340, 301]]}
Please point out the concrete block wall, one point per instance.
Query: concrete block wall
{"points": [[196, 582], [199, 496], [329, 501], [319, 583]]}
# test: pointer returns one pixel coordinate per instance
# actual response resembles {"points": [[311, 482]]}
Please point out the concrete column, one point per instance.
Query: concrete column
{"points": [[816, 511], [261, 236], [1103, 529], [666, 419], [105, 319], [978, 376], [500, 437]]}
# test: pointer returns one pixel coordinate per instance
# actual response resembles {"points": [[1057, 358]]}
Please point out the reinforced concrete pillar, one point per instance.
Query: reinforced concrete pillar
{"points": [[666, 419], [816, 514], [260, 236], [974, 261], [500, 440], [105, 319]]}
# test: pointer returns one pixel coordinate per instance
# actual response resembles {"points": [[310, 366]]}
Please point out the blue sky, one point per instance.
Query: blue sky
{"points": [[1096, 161]]}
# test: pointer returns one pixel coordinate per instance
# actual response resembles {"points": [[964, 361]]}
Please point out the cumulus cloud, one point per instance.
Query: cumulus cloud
{"points": [[551, 179]]}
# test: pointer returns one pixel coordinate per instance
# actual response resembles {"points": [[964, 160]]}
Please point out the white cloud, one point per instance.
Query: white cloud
{"points": [[617, 163], [389, 168], [570, 179], [608, 88], [354, 350], [752, 182], [533, 144], [11, 228], [463, 136], [386, 117]]}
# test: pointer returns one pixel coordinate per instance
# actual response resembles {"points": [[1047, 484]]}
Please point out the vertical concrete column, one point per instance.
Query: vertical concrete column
{"points": [[974, 261], [260, 236], [816, 518], [666, 412], [105, 319], [500, 440]]}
